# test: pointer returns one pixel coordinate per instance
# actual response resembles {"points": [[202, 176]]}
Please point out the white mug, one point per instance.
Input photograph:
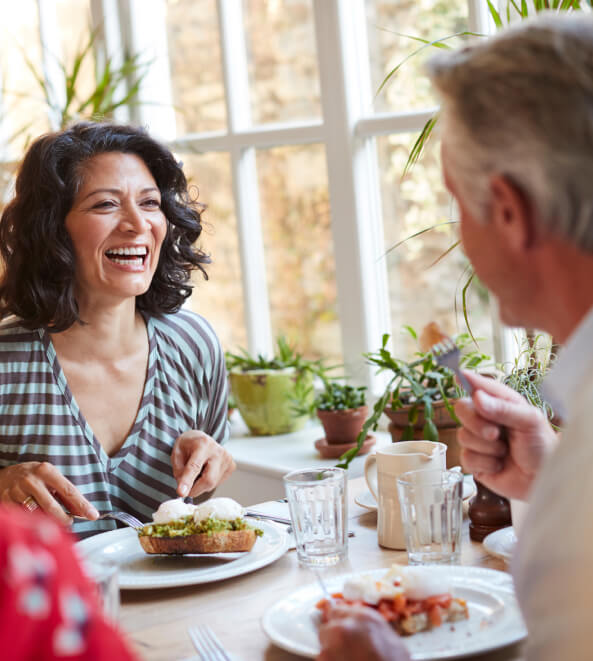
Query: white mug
{"points": [[381, 470]]}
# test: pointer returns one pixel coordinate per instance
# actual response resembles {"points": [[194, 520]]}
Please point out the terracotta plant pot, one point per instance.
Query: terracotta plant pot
{"points": [[446, 427], [265, 399], [342, 427]]}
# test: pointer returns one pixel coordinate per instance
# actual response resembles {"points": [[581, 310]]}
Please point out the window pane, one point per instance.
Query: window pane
{"points": [[284, 81], [21, 97], [219, 298], [420, 290], [74, 21], [298, 244], [429, 19], [196, 69]]}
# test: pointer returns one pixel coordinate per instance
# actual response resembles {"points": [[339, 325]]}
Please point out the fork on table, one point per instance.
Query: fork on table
{"points": [[207, 645]]}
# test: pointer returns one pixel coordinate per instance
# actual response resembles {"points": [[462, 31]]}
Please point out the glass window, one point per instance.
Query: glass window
{"points": [[423, 287], [74, 21], [409, 88], [219, 298], [298, 245], [282, 60], [22, 108], [196, 66]]}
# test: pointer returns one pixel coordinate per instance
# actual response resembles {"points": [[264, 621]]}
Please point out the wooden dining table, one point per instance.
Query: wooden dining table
{"points": [[156, 621]]}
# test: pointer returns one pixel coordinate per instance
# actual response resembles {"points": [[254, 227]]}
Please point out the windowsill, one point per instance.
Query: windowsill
{"points": [[263, 460]]}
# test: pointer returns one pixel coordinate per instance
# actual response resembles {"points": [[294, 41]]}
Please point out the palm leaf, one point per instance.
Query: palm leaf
{"points": [[419, 233], [437, 43], [495, 15], [420, 143]]}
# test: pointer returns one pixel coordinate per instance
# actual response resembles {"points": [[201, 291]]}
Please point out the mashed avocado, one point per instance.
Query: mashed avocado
{"points": [[186, 526]]}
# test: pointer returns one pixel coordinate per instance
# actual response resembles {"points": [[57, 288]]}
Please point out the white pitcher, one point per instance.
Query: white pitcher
{"points": [[381, 470]]}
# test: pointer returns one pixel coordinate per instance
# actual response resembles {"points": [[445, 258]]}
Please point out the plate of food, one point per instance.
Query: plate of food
{"points": [[442, 612], [367, 500], [501, 543], [187, 545]]}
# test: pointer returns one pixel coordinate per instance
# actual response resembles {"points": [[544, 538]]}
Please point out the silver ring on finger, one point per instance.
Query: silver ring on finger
{"points": [[30, 504]]}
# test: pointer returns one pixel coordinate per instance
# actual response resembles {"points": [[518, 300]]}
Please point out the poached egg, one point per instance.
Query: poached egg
{"points": [[415, 582], [172, 509], [225, 509]]}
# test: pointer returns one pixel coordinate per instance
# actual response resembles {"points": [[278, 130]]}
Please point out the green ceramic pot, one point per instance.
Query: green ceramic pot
{"points": [[265, 400]]}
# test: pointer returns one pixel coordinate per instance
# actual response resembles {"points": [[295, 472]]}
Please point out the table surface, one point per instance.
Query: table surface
{"points": [[157, 620]]}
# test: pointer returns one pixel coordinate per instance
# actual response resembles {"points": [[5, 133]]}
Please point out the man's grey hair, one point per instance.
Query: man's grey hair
{"points": [[520, 104]]}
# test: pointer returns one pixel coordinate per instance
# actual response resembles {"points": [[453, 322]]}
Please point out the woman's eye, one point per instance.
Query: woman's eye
{"points": [[104, 204], [152, 202]]}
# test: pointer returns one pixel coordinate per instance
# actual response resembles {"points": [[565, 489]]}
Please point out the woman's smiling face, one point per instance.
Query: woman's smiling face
{"points": [[117, 229]]}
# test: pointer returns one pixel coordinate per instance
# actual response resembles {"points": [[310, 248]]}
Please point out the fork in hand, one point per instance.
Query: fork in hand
{"points": [[124, 517], [207, 645], [447, 354]]}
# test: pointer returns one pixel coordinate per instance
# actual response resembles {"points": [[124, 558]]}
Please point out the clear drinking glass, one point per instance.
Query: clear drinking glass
{"points": [[104, 575], [430, 502], [318, 504]]}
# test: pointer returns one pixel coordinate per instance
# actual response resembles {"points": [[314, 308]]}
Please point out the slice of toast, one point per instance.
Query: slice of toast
{"points": [[227, 541]]}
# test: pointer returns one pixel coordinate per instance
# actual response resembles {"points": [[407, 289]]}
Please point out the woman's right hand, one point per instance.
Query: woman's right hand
{"points": [[51, 491], [507, 467]]}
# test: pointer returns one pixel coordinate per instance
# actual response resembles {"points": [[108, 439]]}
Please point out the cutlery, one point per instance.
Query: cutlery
{"points": [[322, 584], [279, 519], [207, 645], [447, 354], [124, 517], [268, 517]]}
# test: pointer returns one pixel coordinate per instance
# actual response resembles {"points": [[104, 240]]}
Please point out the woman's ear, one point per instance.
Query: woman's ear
{"points": [[512, 214]]}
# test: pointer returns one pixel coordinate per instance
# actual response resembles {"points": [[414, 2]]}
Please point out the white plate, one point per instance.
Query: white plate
{"points": [[140, 571], [501, 543], [494, 617], [367, 500]]}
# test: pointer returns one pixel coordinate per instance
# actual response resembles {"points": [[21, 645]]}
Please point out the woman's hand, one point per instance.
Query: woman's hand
{"points": [[199, 463], [358, 632], [508, 470], [51, 491]]}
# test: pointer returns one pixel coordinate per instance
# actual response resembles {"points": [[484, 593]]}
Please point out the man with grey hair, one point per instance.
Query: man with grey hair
{"points": [[517, 151]]}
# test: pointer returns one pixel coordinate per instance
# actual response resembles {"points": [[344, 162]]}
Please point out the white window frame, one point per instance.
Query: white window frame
{"points": [[348, 129]]}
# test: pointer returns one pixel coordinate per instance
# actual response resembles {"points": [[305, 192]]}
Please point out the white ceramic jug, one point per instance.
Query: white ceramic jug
{"points": [[381, 470]]}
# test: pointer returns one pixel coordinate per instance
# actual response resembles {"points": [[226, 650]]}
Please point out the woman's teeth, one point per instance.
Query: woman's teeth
{"points": [[128, 256]]}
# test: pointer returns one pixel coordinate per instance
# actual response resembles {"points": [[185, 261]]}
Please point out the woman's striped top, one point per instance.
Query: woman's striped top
{"points": [[185, 388]]}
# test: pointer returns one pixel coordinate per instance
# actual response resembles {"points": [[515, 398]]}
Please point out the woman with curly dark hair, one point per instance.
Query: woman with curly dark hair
{"points": [[111, 396]]}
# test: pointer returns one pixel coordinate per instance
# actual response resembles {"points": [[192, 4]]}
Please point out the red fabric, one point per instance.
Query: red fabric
{"points": [[49, 609]]}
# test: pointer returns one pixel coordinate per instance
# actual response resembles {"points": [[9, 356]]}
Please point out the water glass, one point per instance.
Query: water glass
{"points": [[104, 575], [431, 508], [318, 504]]}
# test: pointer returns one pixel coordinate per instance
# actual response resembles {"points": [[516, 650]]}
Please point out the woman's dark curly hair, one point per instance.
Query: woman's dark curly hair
{"points": [[39, 264]]}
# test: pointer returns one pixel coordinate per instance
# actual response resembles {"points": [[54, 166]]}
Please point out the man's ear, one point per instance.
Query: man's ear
{"points": [[512, 214]]}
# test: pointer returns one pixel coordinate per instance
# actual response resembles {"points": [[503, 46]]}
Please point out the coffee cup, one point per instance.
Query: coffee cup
{"points": [[381, 470]]}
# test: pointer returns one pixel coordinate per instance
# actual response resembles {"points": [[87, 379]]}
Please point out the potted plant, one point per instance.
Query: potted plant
{"points": [[342, 410], [417, 397], [265, 390]]}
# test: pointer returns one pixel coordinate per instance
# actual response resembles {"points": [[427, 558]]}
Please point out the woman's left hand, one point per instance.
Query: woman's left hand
{"points": [[199, 463]]}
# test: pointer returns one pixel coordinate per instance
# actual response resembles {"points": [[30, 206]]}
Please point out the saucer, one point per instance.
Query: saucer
{"points": [[501, 543], [367, 500], [331, 451]]}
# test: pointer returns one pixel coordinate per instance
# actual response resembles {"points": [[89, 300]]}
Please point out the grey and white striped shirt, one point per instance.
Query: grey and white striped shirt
{"points": [[185, 388]]}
